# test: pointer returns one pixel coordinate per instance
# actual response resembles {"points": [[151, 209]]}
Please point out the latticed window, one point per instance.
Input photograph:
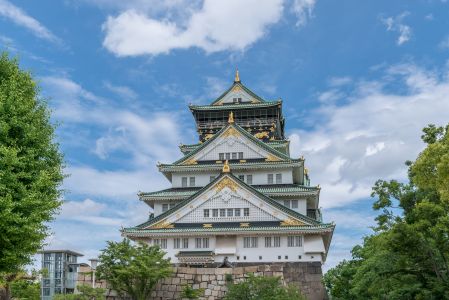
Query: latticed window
{"points": [[215, 212], [268, 241], [294, 241], [277, 241], [237, 212], [250, 242], [192, 181], [198, 242], [205, 242], [221, 156], [164, 207], [222, 212], [287, 203], [184, 181], [177, 243], [278, 178], [249, 179], [240, 155], [246, 212], [230, 212], [294, 203], [206, 213], [228, 156], [185, 243], [234, 155], [270, 178], [242, 177], [202, 243]]}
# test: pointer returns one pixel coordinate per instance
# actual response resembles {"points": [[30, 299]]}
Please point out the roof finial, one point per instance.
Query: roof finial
{"points": [[231, 118], [226, 168], [237, 77]]}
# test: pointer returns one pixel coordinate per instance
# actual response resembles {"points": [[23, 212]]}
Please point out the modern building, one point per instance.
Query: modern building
{"points": [[237, 195], [60, 269]]}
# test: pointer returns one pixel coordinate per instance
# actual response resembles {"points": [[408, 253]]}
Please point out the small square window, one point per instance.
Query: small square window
{"points": [[228, 156], [221, 156], [260, 257], [294, 203], [286, 257], [237, 212], [246, 212], [222, 212], [230, 212], [249, 179], [238, 257], [192, 181], [215, 212], [240, 155], [244, 257], [278, 178], [299, 256], [234, 155], [206, 213], [270, 178], [279, 257], [184, 181]]}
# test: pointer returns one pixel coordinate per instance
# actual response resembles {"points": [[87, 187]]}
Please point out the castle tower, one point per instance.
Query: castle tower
{"points": [[237, 194]]}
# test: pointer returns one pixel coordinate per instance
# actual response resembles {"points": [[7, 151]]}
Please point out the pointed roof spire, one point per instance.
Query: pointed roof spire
{"points": [[231, 118], [237, 77], [226, 168]]}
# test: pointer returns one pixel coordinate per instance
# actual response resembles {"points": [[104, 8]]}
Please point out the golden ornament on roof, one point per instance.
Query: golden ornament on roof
{"points": [[231, 118], [226, 168], [237, 77]]}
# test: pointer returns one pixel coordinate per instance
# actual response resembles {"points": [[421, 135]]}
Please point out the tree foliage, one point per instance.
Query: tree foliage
{"points": [[133, 270], [30, 167], [407, 255], [262, 288], [26, 290], [190, 293]]}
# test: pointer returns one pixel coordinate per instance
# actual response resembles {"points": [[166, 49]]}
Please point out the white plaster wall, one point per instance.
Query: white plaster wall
{"points": [[252, 254], [228, 98], [231, 144], [302, 205], [314, 244], [259, 177]]}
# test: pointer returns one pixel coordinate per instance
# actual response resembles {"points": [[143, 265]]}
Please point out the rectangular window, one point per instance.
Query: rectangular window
{"points": [[270, 178], [294, 203], [230, 212], [198, 243], [212, 178], [234, 155], [237, 212], [164, 207], [287, 203], [268, 242], [205, 242], [249, 179], [246, 212], [185, 243], [206, 213], [214, 212], [192, 181], [172, 205], [277, 241], [278, 178], [242, 177], [240, 155], [254, 241], [222, 212], [221, 156], [184, 181], [294, 241], [228, 156], [162, 243], [177, 243], [246, 242], [46, 291]]}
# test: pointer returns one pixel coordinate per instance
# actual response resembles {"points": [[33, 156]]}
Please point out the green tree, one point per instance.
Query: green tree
{"points": [[191, 293], [26, 290], [30, 169], [262, 288], [133, 270], [407, 255]]}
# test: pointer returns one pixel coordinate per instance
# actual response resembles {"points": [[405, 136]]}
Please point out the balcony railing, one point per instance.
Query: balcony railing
{"points": [[243, 123]]}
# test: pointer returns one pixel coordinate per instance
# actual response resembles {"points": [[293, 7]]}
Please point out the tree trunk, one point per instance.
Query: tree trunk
{"points": [[5, 293]]}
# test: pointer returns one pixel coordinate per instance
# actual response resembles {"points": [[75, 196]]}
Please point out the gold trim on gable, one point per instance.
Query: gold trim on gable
{"points": [[292, 222], [226, 182], [191, 161], [271, 157], [162, 224], [244, 224], [207, 225], [231, 131]]}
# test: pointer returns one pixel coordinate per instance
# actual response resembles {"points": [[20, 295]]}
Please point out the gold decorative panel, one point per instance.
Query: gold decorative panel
{"points": [[226, 182]]}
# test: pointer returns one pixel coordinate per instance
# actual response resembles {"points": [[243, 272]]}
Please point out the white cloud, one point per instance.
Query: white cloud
{"points": [[303, 10], [216, 26], [122, 91], [396, 24], [88, 212], [373, 134], [444, 44], [18, 16]]}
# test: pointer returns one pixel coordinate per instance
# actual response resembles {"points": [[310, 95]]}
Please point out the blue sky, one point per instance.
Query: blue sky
{"points": [[359, 79]]}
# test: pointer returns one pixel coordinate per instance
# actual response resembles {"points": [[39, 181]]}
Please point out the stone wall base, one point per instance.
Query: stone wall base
{"points": [[305, 275]]}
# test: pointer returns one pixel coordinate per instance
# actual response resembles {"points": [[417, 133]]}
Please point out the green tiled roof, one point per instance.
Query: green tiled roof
{"points": [[244, 133], [272, 190], [135, 231], [238, 83], [260, 195], [234, 166], [235, 106]]}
